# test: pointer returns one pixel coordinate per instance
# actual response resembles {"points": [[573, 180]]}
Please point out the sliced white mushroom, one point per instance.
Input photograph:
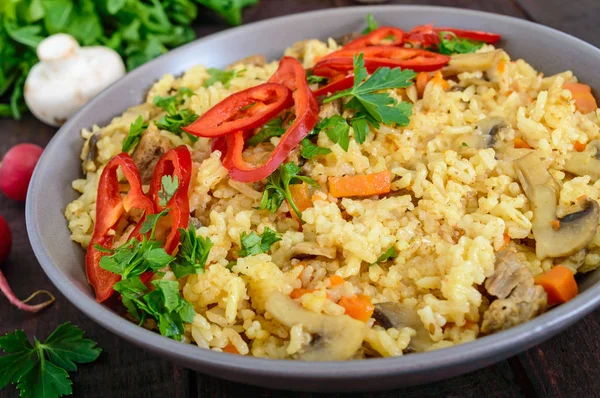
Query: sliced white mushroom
{"points": [[574, 231], [68, 76], [472, 62], [398, 316], [284, 254], [335, 338], [586, 163], [483, 137]]}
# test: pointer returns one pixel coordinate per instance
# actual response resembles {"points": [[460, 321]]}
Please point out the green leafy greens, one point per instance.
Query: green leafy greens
{"points": [[223, 76], [452, 44], [170, 103], [278, 188], [174, 122], [272, 128], [371, 24], [253, 243], [192, 255], [136, 129], [40, 369], [169, 185], [389, 254], [139, 30]]}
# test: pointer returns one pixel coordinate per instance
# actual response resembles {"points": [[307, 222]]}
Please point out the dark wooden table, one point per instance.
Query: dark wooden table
{"points": [[567, 365]]}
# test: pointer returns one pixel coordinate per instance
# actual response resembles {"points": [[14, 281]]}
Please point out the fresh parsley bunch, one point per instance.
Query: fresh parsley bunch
{"points": [[139, 30], [39, 370], [253, 244]]}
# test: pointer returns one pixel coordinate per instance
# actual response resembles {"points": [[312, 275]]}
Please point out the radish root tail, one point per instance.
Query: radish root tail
{"points": [[22, 305]]}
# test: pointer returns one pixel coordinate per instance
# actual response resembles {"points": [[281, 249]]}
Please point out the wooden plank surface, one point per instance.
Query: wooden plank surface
{"points": [[564, 366]]}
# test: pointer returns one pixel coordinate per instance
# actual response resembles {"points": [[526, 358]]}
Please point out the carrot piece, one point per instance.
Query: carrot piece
{"points": [[230, 348], [297, 293], [555, 225], [559, 283], [521, 143], [361, 185], [582, 197], [505, 242], [421, 83], [579, 146], [583, 97], [358, 307], [336, 280], [501, 66], [439, 79], [301, 195]]}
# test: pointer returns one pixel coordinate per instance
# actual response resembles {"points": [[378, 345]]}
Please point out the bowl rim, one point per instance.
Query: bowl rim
{"points": [[486, 349]]}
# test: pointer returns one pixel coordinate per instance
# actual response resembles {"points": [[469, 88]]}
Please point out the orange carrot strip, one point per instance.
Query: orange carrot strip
{"points": [[301, 195], [439, 79], [501, 66], [297, 293], [336, 280], [583, 97], [521, 143], [559, 283], [579, 146], [230, 348], [555, 225], [505, 242], [358, 307], [421, 83], [360, 185]]}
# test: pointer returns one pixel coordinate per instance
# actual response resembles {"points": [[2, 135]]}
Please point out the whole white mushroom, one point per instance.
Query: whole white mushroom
{"points": [[68, 76]]}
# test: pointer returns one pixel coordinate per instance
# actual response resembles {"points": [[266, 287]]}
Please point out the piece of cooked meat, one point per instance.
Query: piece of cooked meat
{"points": [[256, 60], [151, 147], [518, 298], [347, 38]]}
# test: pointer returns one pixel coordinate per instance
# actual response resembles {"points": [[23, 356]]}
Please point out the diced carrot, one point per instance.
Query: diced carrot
{"points": [[297, 293], [505, 242], [230, 348], [336, 280], [559, 283], [358, 307], [521, 143], [301, 195], [439, 79], [360, 185], [579, 147], [501, 66], [582, 197], [583, 97], [555, 225], [421, 83]]}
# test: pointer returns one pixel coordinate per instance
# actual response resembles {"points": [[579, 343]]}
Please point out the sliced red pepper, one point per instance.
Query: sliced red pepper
{"points": [[423, 35], [292, 75], [393, 36], [476, 35], [342, 61], [110, 206], [244, 110], [336, 85], [177, 163]]}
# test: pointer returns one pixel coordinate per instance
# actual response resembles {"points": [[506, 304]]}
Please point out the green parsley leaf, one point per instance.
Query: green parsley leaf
{"points": [[371, 24], [223, 76], [464, 144], [169, 185], [175, 122], [452, 44], [312, 79], [253, 243], [136, 129], [367, 100], [151, 220], [171, 103], [278, 188], [337, 129], [387, 255], [40, 369], [272, 128], [193, 253], [360, 125], [309, 150]]}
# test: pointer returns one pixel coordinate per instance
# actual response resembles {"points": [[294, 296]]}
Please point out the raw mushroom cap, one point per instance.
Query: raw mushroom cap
{"points": [[338, 337]]}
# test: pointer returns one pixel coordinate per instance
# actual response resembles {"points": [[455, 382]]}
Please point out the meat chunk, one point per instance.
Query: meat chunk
{"points": [[518, 298], [256, 60], [151, 147], [347, 38]]}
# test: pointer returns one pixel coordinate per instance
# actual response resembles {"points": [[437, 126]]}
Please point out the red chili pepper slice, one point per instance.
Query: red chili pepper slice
{"points": [[244, 110], [110, 206], [381, 56], [476, 35], [292, 75], [394, 36], [177, 163], [424, 35], [340, 84]]}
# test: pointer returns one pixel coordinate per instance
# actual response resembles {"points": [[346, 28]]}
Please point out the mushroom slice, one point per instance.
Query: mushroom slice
{"points": [[472, 62], [283, 254], [575, 230], [489, 128], [89, 162], [337, 337], [575, 261], [586, 163], [150, 148], [398, 316]]}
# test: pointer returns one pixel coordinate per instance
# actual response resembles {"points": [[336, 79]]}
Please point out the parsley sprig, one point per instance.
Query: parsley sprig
{"points": [[389, 254], [223, 76], [175, 119], [170, 103], [169, 186], [136, 129], [40, 369], [253, 244], [278, 188], [452, 44], [193, 253], [371, 24], [273, 128]]}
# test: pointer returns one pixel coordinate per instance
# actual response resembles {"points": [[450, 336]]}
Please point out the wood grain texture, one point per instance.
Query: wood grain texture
{"points": [[564, 366]]}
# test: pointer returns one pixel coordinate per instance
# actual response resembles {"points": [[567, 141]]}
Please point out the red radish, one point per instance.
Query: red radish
{"points": [[5, 246], [16, 169]]}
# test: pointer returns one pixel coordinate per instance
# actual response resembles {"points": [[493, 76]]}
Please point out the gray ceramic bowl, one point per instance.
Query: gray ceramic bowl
{"points": [[546, 49]]}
